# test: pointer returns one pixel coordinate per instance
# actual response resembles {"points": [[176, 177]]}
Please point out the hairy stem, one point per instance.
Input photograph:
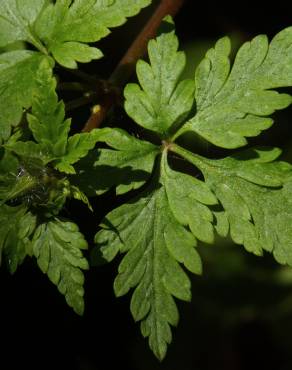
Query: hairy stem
{"points": [[126, 66]]}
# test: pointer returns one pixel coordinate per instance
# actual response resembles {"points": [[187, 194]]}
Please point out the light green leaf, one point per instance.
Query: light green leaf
{"points": [[66, 25], [153, 232], [162, 102], [255, 194], [68, 53], [57, 246], [16, 226], [233, 105], [127, 165], [17, 18], [17, 83]]}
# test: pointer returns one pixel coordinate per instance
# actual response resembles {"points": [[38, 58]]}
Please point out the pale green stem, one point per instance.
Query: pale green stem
{"points": [[37, 44], [197, 160]]}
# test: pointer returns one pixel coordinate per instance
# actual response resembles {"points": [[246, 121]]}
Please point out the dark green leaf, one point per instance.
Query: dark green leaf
{"points": [[16, 226], [57, 246]]}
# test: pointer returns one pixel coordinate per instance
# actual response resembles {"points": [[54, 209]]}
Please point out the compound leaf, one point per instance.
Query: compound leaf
{"points": [[67, 25], [62, 28], [233, 105], [57, 246]]}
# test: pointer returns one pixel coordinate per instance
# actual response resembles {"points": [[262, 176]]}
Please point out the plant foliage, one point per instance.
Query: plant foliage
{"points": [[246, 195]]}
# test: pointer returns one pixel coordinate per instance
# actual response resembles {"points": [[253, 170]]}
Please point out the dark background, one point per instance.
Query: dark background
{"points": [[241, 313]]}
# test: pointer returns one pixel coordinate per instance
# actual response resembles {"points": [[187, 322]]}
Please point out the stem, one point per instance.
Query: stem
{"points": [[138, 48], [126, 66], [87, 78], [179, 132], [38, 45], [197, 160], [79, 102], [72, 86]]}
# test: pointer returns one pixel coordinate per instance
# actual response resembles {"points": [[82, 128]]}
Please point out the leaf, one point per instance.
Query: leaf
{"points": [[17, 84], [127, 166], [67, 25], [50, 129], [57, 246], [17, 19], [29, 150], [47, 120], [255, 193], [16, 226], [77, 147], [68, 53], [153, 231], [162, 102], [233, 105]]}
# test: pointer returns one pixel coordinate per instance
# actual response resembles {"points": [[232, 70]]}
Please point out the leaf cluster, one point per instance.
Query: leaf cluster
{"points": [[246, 195]]}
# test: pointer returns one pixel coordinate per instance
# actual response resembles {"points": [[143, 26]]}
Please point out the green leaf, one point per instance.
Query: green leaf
{"points": [[153, 231], [16, 226], [57, 246], [62, 28], [29, 150], [233, 105], [47, 120], [66, 25], [68, 53], [50, 129], [17, 18], [17, 83], [127, 166], [77, 147], [255, 194], [162, 102]]}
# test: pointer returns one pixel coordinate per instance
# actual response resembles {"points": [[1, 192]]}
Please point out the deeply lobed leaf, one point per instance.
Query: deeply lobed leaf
{"points": [[17, 225], [57, 246], [127, 165], [233, 105], [162, 102], [60, 29], [246, 194], [255, 194], [152, 231], [17, 85]]}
